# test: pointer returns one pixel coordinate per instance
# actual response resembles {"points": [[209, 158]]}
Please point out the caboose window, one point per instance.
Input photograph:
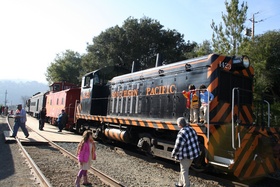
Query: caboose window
{"points": [[228, 81], [56, 87]]}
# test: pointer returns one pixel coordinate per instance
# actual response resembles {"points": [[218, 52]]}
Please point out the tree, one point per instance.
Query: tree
{"points": [[204, 48], [138, 41], [264, 53], [66, 67], [227, 41]]}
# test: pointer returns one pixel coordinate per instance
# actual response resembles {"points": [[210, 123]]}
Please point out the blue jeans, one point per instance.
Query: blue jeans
{"points": [[60, 126], [41, 123], [23, 128]]}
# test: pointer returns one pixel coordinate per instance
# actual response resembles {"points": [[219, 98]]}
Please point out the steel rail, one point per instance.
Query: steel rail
{"points": [[103, 177], [43, 180]]}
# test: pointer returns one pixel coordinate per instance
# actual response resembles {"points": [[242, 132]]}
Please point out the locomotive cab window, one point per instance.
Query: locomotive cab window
{"points": [[87, 82], [96, 79]]}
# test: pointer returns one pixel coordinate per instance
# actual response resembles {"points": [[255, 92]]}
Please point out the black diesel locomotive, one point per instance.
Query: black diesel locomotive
{"points": [[141, 108]]}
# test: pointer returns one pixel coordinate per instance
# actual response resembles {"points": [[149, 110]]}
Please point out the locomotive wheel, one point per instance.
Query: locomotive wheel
{"points": [[149, 154], [79, 129], [71, 128], [198, 166], [198, 163], [97, 134]]}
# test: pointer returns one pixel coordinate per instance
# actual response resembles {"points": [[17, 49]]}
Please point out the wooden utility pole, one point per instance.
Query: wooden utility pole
{"points": [[253, 25], [6, 98]]}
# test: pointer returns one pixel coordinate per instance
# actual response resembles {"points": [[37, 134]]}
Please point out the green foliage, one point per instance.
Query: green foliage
{"points": [[227, 40], [275, 113], [138, 41], [264, 53], [204, 48], [267, 110], [66, 67]]}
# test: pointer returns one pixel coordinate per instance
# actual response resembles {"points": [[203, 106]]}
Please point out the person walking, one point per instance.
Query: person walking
{"points": [[192, 103], [20, 120], [205, 99], [42, 118], [186, 149], [62, 120], [85, 153]]}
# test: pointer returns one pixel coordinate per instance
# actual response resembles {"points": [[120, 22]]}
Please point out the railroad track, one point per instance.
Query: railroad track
{"points": [[223, 179], [107, 160], [43, 180], [29, 151]]}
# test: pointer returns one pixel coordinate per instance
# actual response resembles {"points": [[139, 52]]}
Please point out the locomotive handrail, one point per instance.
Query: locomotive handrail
{"points": [[232, 120], [268, 112], [207, 114], [232, 116], [208, 110]]}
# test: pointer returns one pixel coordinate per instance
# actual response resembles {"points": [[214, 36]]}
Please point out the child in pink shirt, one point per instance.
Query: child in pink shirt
{"points": [[85, 153]]}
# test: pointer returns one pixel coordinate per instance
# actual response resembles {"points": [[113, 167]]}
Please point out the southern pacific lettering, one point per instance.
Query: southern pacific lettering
{"points": [[159, 90], [125, 93]]}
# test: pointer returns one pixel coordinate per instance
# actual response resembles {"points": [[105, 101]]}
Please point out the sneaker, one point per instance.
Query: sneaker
{"points": [[176, 185], [12, 136], [27, 136], [87, 184]]}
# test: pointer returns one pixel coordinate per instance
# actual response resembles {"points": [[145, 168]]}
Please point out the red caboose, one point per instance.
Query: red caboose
{"points": [[65, 99]]}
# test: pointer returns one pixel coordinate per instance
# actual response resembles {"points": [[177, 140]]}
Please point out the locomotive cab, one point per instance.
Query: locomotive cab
{"points": [[95, 90]]}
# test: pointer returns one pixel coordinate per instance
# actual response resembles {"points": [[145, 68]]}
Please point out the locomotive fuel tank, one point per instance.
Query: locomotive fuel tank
{"points": [[117, 134]]}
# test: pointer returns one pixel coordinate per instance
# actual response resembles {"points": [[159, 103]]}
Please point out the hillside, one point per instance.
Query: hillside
{"points": [[18, 91]]}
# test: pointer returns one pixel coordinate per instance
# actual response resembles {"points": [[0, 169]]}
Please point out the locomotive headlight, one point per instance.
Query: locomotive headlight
{"points": [[241, 62], [246, 62]]}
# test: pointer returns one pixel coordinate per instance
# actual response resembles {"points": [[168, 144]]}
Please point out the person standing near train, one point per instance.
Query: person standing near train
{"points": [[192, 103], [42, 118], [20, 120], [85, 153], [62, 120], [205, 99], [186, 149]]}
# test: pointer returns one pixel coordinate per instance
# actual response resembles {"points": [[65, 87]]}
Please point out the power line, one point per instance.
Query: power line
{"points": [[253, 24]]}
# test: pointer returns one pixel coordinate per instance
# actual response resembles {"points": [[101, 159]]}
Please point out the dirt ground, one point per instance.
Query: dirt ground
{"points": [[14, 170]]}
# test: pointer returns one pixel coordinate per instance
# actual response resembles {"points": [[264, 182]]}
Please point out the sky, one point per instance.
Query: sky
{"points": [[34, 32]]}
